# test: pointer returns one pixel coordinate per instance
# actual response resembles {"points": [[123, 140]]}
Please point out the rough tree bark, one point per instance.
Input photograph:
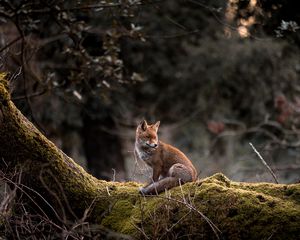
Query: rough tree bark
{"points": [[238, 210]]}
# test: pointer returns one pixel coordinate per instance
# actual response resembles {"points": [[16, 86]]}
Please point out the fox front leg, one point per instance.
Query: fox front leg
{"points": [[156, 174], [155, 177]]}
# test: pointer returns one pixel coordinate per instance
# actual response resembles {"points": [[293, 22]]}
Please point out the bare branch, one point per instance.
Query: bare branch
{"points": [[264, 162], [10, 44]]}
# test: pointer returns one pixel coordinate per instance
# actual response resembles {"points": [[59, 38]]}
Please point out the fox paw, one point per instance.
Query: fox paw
{"points": [[142, 191]]}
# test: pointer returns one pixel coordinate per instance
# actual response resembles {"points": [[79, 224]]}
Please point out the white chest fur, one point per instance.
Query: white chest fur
{"points": [[143, 155]]}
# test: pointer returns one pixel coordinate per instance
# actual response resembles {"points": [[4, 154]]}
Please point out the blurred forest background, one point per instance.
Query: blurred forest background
{"points": [[218, 74]]}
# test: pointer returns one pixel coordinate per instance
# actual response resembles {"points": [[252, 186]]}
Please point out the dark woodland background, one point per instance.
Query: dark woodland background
{"points": [[217, 74]]}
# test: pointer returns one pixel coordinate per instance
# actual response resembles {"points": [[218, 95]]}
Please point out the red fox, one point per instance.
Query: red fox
{"points": [[170, 166]]}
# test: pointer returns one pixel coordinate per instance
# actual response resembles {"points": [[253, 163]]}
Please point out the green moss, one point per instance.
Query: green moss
{"points": [[218, 178], [249, 207], [118, 218], [239, 210]]}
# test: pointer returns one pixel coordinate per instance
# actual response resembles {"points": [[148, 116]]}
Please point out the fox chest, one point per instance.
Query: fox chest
{"points": [[147, 157]]}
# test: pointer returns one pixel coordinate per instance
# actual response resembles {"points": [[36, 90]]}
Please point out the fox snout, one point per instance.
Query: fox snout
{"points": [[152, 145]]}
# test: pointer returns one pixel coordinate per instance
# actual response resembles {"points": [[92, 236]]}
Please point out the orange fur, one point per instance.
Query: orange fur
{"points": [[170, 166]]}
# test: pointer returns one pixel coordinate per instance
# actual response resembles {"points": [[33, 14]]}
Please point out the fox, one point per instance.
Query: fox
{"points": [[170, 166]]}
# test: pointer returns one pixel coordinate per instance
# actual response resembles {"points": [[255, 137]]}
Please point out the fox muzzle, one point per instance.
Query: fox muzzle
{"points": [[152, 145]]}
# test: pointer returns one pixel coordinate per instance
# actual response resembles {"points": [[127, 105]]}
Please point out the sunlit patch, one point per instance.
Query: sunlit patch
{"points": [[243, 31], [244, 24], [252, 3]]}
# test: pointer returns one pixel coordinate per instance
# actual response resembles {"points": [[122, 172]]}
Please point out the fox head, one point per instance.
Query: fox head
{"points": [[146, 135]]}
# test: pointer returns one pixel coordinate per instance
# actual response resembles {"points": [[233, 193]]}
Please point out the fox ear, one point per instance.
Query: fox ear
{"points": [[156, 125], [143, 125]]}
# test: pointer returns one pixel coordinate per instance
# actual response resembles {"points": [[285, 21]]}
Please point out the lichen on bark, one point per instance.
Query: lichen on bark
{"points": [[238, 210]]}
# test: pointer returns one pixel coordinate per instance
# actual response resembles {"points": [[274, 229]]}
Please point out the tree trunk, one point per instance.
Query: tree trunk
{"points": [[101, 144], [212, 208]]}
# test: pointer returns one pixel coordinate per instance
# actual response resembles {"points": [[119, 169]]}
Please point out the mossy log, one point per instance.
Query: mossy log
{"points": [[211, 208]]}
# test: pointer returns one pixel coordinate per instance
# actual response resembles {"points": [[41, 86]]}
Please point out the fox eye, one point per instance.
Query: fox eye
{"points": [[149, 136]]}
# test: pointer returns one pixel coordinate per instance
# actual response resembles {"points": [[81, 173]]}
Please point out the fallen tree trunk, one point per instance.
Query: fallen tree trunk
{"points": [[211, 208]]}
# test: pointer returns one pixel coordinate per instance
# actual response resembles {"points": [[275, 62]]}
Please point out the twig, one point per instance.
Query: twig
{"points": [[214, 228], [140, 230], [30, 95], [11, 43], [108, 191], [22, 190], [114, 175], [176, 223], [264, 162]]}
